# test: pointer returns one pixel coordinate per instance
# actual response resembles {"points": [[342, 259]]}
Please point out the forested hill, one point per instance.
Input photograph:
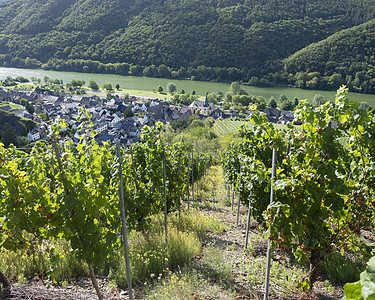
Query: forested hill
{"points": [[157, 37], [347, 57]]}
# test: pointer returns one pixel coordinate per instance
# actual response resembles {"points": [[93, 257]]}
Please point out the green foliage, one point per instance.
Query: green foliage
{"points": [[342, 268], [37, 260], [159, 89], [226, 40], [8, 135], [287, 105], [153, 257], [62, 191], [108, 87], [77, 82], [235, 88], [330, 64], [364, 289], [183, 99], [93, 85], [171, 87], [318, 100], [272, 103], [324, 182], [21, 79], [13, 128], [128, 112]]}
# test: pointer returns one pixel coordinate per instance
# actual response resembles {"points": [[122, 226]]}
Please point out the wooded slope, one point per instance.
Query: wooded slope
{"points": [[187, 33], [347, 57]]}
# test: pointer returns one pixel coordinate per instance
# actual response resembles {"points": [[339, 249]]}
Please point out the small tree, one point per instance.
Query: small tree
{"points": [[117, 86], [296, 101], [93, 85], [160, 88], [108, 87], [235, 88], [128, 113], [171, 87], [46, 79], [272, 102], [283, 98], [287, 105], [30, 108]]}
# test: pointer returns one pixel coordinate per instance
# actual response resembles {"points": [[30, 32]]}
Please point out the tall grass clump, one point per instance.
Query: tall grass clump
{"points": [[191, 221], [23, 263], [199, 223], [343, 268], [210, 278], [54, 260], [152, 257]]}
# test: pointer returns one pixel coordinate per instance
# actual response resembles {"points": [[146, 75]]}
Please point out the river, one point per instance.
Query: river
{"points": [[150, 84]]}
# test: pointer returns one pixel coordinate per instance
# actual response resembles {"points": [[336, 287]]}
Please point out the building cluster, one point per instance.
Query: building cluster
{"points": [[107, 116]]}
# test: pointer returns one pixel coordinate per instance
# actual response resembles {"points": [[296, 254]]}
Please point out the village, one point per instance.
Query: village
{"points": [[108, 116]]}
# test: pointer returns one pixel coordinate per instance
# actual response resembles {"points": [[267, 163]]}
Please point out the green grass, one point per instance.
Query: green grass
{"points": [[224, 127], [152, 257], [210, 279], [13, 106], [343, 268], [228, 126], [63, 265]]}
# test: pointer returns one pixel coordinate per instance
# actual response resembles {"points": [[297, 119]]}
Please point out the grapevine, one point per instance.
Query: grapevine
{"points": [[324, 183]]}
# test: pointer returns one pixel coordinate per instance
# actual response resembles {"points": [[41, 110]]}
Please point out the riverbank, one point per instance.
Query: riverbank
{"points": [[147, 86]]}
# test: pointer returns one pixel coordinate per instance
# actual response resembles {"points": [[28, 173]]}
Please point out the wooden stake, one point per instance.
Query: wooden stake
{"points": [[123, 219], [165, 199], [272, 195]]}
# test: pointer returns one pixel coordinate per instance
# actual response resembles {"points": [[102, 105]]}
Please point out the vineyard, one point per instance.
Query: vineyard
{"points": [[313, 188], [228, 126], [224, 127], [308, 191]]}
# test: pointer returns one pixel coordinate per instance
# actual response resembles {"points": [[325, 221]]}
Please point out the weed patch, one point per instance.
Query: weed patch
{"points": [[153, 258]]}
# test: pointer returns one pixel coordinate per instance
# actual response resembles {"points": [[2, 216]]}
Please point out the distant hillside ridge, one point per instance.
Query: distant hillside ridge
{"points": [[205, 40], [346, 57]]}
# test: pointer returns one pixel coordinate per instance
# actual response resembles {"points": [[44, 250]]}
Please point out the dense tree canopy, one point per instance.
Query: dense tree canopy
{"points": [[346, 57], [221, 40]]}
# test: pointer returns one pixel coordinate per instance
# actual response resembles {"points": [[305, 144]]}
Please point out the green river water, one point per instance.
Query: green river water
{"points": [[149, 84]]}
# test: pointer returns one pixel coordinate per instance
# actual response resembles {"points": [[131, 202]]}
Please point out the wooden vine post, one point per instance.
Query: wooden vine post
{"points": [[179, 198], [192, 176], [248, 222], [198, 164], [232, 198], [272, 196], [188, 183], [165, 198], [238, 199], [123, 219]]}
